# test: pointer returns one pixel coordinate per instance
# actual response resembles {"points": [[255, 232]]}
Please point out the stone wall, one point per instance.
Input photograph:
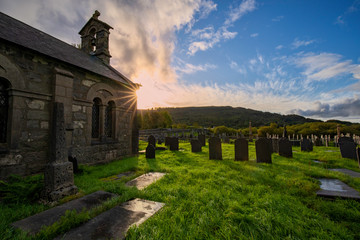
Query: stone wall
{"points": [[36, 81]]}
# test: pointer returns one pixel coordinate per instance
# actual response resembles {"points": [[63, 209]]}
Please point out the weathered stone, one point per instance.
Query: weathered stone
{"points": [[358, 155], [174, 144], [226, 139], [241, 149], [58, 176], [275, 145], [318, 142], [150, 151], [34, 223], [152, 140], [333, 188], [306, 145], [348, 149], [202, 139], [195, 145], [145, 180], [285, 148], [114, 223], [347, 172], [263, 153], [215, 151]]}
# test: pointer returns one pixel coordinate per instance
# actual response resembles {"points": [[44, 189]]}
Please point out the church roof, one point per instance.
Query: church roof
{"points": [[17, 32]]}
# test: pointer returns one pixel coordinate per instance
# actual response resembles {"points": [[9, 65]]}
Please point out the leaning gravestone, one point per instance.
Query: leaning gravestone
{"points": [[275, 145], [202, 139], [195, 145], [174, 144], [150, 151], [263, 153], [152, 140], [58, 174], [241, 149], [285, 148], [215, 151], [306, 145], [348, 149]]}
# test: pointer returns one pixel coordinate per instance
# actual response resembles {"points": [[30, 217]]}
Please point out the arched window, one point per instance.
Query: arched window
{"points": [[109, 119], [4, 107], [95, 125]]}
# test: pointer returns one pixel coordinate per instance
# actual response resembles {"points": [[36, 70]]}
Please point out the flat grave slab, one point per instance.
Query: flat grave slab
{"points": [[317, 161], [145, 180], [119, 176], [142, 151], [114, 223], [347, 172], [335, 188], [34, 223]]}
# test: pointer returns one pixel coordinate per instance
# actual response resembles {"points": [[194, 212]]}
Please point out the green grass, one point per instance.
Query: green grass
{"points": [[212, 199]]}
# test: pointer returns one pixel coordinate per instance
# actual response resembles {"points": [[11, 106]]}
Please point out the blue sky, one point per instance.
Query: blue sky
{"points": [[286, 57]]}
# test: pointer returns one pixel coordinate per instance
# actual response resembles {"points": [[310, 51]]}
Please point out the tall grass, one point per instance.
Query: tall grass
{"points": [[212, 199]]}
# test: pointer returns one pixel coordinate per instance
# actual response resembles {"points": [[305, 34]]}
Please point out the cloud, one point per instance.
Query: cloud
{"points": [[346, 108], [299, 43], [236, 67], [254, 35], [245, 7], [355, 6], [278, 47], [187, 68], [277, 19], [324, 66], [208, 37]]}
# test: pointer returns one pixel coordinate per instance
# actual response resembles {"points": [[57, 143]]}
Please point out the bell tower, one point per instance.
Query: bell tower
{"points": [[95, 38]]}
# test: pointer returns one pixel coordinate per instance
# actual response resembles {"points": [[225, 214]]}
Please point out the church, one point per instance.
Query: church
{"points": [[37, 70]]}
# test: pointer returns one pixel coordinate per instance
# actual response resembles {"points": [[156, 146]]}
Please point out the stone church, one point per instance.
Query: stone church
{"points": [[37, 70]]}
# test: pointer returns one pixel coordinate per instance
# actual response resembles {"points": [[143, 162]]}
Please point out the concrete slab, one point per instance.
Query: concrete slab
{"points": [[114, 223], [347, 172], [145, 180], [335, 188], [34, 223]]}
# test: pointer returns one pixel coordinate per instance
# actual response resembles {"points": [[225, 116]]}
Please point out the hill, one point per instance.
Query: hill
{"points": [[229, 116]]}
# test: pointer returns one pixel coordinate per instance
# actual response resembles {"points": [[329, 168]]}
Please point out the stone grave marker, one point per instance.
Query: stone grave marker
{"points": [[275, 145], [241, 149], [306, 145], [358, 155], [215, 151], [150, 151], [167, 141], [174, 144], [333, 188], [152, 140], [195, 145], [262, 148], [285, 148], [226, 139], [202, 139], [58, 174], [348, 149]]}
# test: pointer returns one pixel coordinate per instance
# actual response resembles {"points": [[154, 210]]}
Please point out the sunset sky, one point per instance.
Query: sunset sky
{"points": [[297, 56]]}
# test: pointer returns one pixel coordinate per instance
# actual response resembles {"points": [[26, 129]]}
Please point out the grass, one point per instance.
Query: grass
{"points": [[211, 199]]}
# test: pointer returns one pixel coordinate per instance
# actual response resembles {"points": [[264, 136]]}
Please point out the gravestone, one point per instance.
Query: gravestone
{"points": [[306, 145], [263, 153], [150, 151], [215, 151], [202, 139], [358, 155], [241, 150], [152, 140], [318, 142], [58, 174], [275, 145], [160, 141], [167, 141], [174, 144], [348, 149], [285, 148], [345, 139], [195, 145], [74, 162]]}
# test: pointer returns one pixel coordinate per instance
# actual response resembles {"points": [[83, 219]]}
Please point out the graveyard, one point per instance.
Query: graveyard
{"points": [[202, 198]]}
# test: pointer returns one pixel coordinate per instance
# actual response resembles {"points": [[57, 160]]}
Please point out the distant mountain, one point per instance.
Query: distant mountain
{"points": [[231, 117]]}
